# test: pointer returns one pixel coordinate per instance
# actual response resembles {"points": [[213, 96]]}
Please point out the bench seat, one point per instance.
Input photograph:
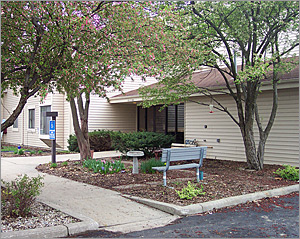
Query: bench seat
{"points": [[183, 166]]}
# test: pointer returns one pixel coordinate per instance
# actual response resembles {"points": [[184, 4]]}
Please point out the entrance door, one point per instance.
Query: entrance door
{"points": [[169, 121]]}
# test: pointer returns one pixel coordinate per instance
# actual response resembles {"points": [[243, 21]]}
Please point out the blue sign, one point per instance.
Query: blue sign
{"points": [[52, 129]]}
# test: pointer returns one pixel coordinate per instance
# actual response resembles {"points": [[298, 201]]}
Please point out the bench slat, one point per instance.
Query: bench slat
{"points": [[182, 154], [183, 166]]}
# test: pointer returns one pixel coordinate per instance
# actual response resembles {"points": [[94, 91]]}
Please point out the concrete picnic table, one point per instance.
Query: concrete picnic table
{"points": [[135, 154]]}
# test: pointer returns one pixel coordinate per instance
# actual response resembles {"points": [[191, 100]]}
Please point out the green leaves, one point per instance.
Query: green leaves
{"points": [[190, 191]]}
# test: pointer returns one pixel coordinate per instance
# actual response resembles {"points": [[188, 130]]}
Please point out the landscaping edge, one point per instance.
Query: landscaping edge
{"points": [[86, 224], [217, 204]]}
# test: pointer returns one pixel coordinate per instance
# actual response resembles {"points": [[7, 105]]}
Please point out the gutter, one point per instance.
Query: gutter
{"points": [[287, 84]]}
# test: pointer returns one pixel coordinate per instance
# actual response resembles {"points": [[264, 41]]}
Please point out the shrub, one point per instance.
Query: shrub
{"points": [[21, 152], [64, 163], [103, 166], [39, 152], [100, 140], [146, 166], [190, 191], [141, 141], [289, 172], [53, 165], [73, 145], [18, 195]]}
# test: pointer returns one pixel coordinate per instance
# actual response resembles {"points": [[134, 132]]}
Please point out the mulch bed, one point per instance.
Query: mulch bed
{"points": [[221, 179]]}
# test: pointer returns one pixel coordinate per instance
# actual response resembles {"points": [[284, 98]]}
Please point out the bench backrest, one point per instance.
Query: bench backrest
{"points": [[178, 154]]}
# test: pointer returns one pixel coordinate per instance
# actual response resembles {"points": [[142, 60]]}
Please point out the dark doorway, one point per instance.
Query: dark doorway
{"points": [[170, 120]]}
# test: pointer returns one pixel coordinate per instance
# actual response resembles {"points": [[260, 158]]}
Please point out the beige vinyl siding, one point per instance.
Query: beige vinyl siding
{"points": [[58, 106], [9, 102], [31, 136], [282, 145], [103, 115], [68, 122]]}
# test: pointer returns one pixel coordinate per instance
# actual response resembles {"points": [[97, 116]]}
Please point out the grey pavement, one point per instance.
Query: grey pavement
{"points": [[272, 218], [98, 207]]}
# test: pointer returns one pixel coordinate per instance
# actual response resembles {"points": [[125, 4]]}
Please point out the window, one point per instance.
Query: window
{"points": [[44, 122], [15, 125], [31, 118]]}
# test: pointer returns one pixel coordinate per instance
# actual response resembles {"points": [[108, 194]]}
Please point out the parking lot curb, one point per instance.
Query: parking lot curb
{"points": [[208, 206]]}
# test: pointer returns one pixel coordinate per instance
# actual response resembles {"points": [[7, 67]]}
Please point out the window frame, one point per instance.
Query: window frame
{"points": [[30, 119], [44, 119]]}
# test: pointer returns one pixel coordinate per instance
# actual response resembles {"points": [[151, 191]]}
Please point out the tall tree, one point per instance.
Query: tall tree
{"points": [[81, 48], [259, 34]]}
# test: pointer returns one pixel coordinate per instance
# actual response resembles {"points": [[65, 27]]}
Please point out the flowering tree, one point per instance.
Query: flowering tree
{"points": [[81, 48], [257, 32]]}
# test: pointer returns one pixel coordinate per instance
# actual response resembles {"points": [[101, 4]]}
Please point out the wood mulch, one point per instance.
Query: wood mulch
{"points": [[221, 179]]}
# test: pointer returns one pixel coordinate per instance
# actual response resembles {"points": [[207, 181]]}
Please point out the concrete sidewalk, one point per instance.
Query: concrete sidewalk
{"points": [[98, 207]]}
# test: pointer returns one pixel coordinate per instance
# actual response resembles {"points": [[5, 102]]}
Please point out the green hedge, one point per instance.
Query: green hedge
{"points": [[100, 140], [104, 140], [142, 141]]}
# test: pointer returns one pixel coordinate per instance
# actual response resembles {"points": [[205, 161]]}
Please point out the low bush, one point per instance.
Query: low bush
{"points": [[17, 196], [21, 152], [289, 172], [141, 141], [103, 166], [65, 163], [53, 165], [100, 140], [190, 191], [146, 166]]}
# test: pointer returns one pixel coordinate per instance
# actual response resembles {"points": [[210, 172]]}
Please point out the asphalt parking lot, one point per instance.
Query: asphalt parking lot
{"points": [[276, 217]]}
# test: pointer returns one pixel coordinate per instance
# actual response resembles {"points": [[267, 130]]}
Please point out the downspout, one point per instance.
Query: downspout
{"points": [[23, 128]]}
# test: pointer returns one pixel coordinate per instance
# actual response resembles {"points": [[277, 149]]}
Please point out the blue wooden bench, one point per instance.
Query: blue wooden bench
{"points": [[182, 154]]}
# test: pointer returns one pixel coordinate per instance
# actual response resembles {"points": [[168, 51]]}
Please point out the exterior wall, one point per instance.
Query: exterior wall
{"points": [[282, 146], [102, 115], [32, 137], [9, 102]]}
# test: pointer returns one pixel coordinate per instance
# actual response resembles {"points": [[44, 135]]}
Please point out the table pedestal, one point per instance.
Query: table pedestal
{"points": [[135, 169]]}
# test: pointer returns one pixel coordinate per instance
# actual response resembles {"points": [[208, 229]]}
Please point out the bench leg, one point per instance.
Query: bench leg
{"points": [[199, 175], [165, 178]]}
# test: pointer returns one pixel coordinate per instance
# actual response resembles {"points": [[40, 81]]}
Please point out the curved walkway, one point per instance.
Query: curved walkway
{"points": [[101, 207]]}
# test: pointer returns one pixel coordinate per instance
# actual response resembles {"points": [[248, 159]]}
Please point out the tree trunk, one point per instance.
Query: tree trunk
{"points": [[81, 130], [253, 161]]}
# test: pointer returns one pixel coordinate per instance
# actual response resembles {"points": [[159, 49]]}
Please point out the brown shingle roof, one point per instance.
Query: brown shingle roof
{"points": [[212, 78]]}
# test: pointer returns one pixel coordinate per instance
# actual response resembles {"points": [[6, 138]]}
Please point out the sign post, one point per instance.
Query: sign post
{"points": [[52, 133]]}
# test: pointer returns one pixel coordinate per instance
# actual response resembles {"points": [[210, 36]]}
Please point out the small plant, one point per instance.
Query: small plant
{"points": [[31, 152], [21, 152], [17, 196], [103, 166], [64, 163], [146, 166], [53, 165], [289, 172], [9, 148], [190, 191], [39, 152]]}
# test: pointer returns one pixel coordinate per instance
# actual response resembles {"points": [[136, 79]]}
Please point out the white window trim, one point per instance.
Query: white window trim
{"points": [[31, 130], [43, 136]]}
